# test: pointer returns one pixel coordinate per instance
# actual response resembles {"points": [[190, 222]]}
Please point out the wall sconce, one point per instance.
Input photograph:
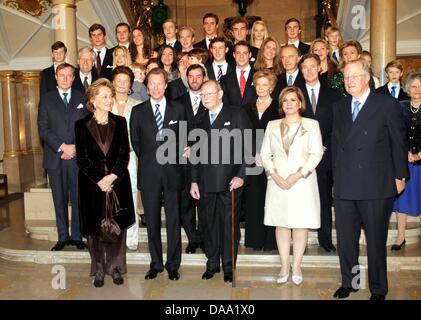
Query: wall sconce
{"points": [[242, 6]]}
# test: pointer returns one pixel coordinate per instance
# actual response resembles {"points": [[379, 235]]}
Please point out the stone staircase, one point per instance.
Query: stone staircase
{"points": [[40, 225]]}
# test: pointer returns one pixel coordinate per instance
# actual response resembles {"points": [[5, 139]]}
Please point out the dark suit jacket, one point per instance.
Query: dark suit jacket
{"points": [[215, 177], [282, 83], [56, 125], [143, 130], [107, 65], [201, 44], [177, 47], [48, 80], [231, 88], [185, 101], [77, 83], [304, 48], [175, 89], [324, 115], [385, 90], [95, 160], [211, 73], [370, 153]]}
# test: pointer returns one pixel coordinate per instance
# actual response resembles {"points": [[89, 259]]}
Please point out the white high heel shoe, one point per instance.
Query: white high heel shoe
{"points": [[297, 280], [282, 279]]}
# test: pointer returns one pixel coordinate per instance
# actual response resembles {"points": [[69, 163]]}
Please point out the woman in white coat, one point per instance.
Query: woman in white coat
{"points": [[122, 80], [292, 148]]}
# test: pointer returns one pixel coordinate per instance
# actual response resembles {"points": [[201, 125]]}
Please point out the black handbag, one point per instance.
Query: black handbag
{"points": [[110, 230]]}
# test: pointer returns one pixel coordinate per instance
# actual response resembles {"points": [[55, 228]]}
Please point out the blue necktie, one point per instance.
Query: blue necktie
{"points": [[212, 118], [393, 92], [355, 110], [158, 118], [290, 80]]}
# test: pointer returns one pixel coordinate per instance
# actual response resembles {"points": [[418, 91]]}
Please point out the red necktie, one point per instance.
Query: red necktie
{"points": [[98, 63], [209, 50], [242, 83]]}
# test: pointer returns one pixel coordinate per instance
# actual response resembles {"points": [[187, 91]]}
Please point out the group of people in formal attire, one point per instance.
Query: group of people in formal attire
{"points": [[321, 135]]}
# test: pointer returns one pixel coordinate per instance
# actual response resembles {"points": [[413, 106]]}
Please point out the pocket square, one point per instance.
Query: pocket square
{"points": [[172, 122], [80, 106], [253, 59], [227, 123], [109, 67]]}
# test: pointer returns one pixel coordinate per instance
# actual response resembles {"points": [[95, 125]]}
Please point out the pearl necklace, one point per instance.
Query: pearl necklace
{"points": [[101, 122], [268, 99], [414, 108]]}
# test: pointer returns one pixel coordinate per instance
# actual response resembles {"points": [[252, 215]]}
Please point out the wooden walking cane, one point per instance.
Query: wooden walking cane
{"points": [[232, 241]]}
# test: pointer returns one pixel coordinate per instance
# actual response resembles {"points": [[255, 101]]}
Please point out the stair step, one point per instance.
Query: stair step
{"points": [[46, 230]]}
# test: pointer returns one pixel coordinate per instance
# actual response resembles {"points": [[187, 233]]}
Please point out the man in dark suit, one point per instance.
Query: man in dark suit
{"points": [[219, 66], [292, 76], [122, 33], [238, 85], [394, 72], [239, 31], [48, 76], [170, 31], [214, 178], [369, 170], [293, 33], [85, 74], [104, 56], [57, 113], [159, 179], [319, 100], [194, 108], [210, 27]]}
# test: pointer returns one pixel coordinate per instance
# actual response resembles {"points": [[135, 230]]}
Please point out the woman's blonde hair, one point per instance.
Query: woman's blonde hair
{"points": [[127, 55], [256, 23], [93, 91]]}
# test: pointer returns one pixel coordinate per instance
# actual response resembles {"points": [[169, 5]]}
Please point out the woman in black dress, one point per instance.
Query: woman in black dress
{"points": [[264, 109], [102, 151]]}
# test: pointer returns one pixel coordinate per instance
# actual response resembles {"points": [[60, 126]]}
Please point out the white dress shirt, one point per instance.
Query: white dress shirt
{"points": [[296, 43], [69, 93], [192, 98], [82, 77], [294, 75], [162, 106], [397, 88], [224, 68], [101, 55], [362, 100], [316, 90], [216, 111]]}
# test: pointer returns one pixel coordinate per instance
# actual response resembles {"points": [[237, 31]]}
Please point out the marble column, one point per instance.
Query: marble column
{"points": [[12, 146], [64, 26], [29, 92], [382, 35]]}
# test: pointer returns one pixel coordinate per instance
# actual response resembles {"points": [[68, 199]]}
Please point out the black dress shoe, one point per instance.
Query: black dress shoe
{"points": [[208, 274], [228, 277], [191, 248], [173, 275], [143, 219], [328, 247], [377, 297], [151, 274], [78, 244], [117, 278], [343, 292], [98, 283], [60, 245], [397, 247]]}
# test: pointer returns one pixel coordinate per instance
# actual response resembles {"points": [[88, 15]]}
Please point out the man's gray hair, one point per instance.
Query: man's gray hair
{"points": [[364, 64], [86, 49], [215, 83]]}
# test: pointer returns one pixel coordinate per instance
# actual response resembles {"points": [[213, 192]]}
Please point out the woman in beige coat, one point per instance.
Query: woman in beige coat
{"points": [[291, 150]]}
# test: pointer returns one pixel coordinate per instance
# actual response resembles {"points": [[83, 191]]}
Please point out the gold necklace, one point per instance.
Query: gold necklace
{"points": [[414, 108]]}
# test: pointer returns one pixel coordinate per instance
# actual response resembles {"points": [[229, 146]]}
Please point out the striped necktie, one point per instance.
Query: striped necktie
{"points": [[158, 118], [219, 72]]}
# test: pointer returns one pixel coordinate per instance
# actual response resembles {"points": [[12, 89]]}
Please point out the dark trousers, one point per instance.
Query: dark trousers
{"points": [[188, 216], [215, 218], [107, 257], [152, 204], [325, 183], [63, 182], [373, 216]]}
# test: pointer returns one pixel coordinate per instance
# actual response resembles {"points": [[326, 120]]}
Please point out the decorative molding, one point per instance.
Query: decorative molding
{"points": [[33, 63], [34, 8]]}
